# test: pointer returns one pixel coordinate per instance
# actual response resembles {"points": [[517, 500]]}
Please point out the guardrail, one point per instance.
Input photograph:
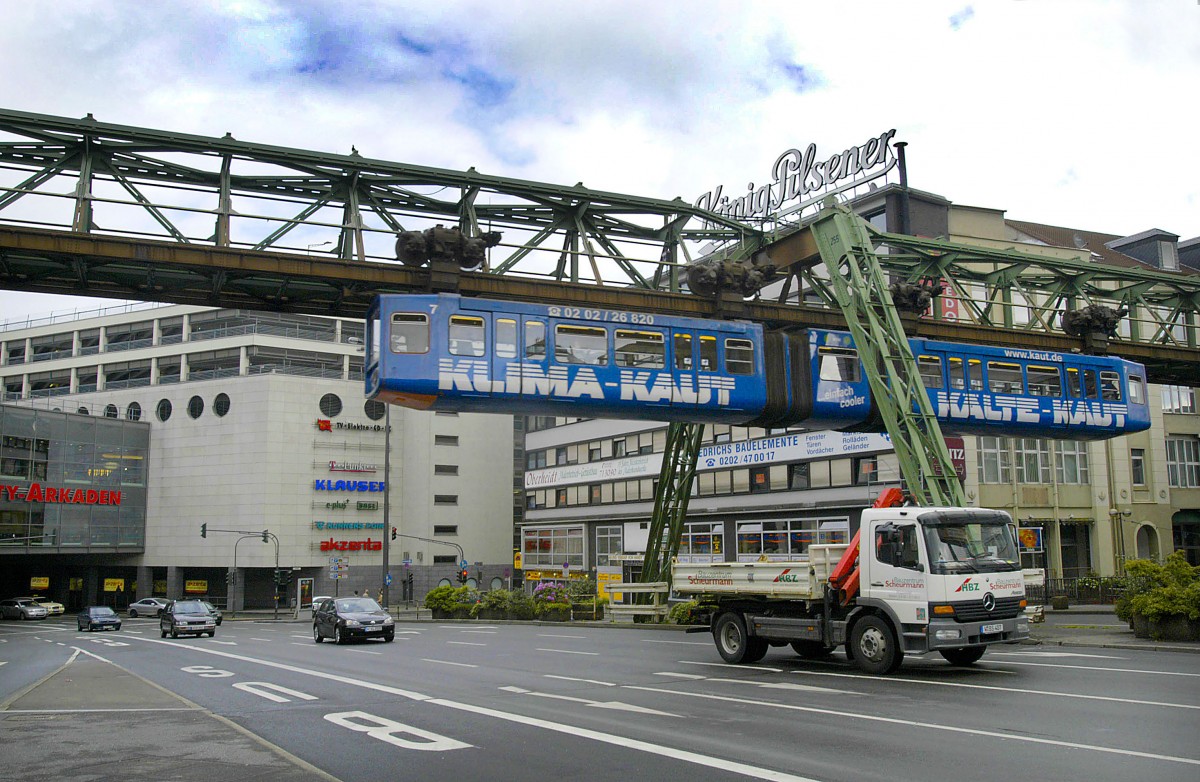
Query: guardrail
{"points": [[657, 610], [1095, 590]]}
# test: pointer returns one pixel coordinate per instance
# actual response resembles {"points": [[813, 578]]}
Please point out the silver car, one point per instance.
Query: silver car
{"points": [[22, 608]]}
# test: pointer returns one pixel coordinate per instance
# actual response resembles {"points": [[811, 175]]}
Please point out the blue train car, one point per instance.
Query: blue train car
{"points": [[445, 352]]}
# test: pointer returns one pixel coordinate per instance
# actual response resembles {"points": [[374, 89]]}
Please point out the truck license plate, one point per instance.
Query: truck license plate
{"points": [[989, 629]]}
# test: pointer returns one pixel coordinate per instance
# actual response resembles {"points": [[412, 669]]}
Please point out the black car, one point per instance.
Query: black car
{"points": [[343, 618], [98, 618], [186, 617], [212, 609]]}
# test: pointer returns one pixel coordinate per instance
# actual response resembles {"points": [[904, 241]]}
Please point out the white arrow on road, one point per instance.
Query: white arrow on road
{"points": [[617, 705]]}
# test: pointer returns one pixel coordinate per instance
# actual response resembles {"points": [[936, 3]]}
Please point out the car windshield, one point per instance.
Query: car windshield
{"points": [[357, 605], [970, 545], [102, 611], [190, 608]]}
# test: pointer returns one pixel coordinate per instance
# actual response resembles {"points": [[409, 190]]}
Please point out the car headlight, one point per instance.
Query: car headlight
{"points": [[389, 621], [353, 623]]}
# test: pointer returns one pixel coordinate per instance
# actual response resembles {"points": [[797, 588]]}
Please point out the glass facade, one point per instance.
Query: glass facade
{"points": [[71, 482]]}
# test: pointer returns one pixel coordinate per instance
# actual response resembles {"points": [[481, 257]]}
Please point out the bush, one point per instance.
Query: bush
{"points": [[520, 606], [686, 613], [441, 599], [581, 590], [1174, 590], [549, 592], [496, 601]]}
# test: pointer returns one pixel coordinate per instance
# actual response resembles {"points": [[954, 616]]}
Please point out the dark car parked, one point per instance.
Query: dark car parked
{"points": [[98, 618], [186, 617], [212, 609], [343, 618]]}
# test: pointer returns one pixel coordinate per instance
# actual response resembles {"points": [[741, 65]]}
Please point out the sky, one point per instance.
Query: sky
{"points": [[1067, 113]]}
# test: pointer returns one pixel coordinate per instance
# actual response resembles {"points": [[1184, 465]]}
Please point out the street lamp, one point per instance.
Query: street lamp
{"points": [[1117, 516]]}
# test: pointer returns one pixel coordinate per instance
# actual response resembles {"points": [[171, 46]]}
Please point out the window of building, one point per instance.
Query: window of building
{"points": [[195, 407], [330, 405], [445, 529], [760, 480], [1071, 462], [608, 541], [444, 559], [1033, 460], [797, 476], [374, 409], [221, 405], [1178, 399], [1137, 466], [784, 540], [560, 498], [133, 412], [445, 499], [445, 469], [619, 447], [552, 547], [163, 411], [1183, 462], [702, 542], [994, 460], [409, 333], [445, 439], [593, 451], [110, 411], [535, 460], [594, 494]]}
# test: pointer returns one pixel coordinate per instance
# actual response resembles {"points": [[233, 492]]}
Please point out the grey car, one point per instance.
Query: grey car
{"points": [[22, 608], [149, 606], [98, 618], [186, 617]]}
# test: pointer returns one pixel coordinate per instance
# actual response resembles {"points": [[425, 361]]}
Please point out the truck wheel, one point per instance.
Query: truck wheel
{"points": [[729, 634], [876, 649], [964, 656], [756, 649], [811, 650]]}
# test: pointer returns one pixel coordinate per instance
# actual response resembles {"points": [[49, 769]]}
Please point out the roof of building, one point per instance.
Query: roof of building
{"points": [[1093, 241]]}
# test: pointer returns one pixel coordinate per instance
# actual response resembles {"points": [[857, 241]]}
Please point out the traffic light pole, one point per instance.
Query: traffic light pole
{"points": [[387, 504], [264, 534]]}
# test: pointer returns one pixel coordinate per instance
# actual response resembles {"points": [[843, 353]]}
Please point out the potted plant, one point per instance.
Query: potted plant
{"points": [[1171, 607], [585, 604], [441, 601], [551, 602], [493, 605]]}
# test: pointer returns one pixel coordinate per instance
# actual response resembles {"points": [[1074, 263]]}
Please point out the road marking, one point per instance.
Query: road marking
{"points": [[1057, 654], [585, 681], [447, 662], [260, 689], [910, 723], [93, 711], [408, 632], [1106, 670], [737, 667], [553, 635], [569, 651], [615, 705], [688, 676], [465, 643], [224, 643], [593, 735], [294, 635], [481, 632], [926, 682], [268, 640], [362, 651]]}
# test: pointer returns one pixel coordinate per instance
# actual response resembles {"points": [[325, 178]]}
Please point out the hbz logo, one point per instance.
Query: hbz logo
{"points": [[967, 586]]}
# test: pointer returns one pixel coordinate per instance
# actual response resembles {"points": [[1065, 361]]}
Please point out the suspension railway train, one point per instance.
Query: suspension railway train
{"points": [[450, 353]]}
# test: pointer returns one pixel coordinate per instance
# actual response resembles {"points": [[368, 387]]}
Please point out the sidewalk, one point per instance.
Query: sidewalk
{"points": [[1096, 626], [110, 725]]}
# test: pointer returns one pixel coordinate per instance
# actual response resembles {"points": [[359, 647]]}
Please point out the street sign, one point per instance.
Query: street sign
{"points": [[406, 562], [462, 563], [388, 579]]}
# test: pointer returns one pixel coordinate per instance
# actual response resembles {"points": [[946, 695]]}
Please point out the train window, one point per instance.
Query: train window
{"points": [[581, 345], [683, 351], [506, 338], [708, 353], [1044, 381], [739, 356], [641, 349], [931, 371], [1081, 384], [1137, 391], [466, 335], [1110, 386], [957, 370], [839, 364], [409, 333], [535, 340], [1004, 378]]}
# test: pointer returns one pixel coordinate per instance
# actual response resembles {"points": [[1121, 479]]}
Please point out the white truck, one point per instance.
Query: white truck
{"points": [[944, 580]]}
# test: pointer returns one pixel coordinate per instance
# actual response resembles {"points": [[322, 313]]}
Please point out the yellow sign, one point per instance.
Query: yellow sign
{"points": [[195, 587], [38, 583], [517, 560], [114, 585], [602, 582]]}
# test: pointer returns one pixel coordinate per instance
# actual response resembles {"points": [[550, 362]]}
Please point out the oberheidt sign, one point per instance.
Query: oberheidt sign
{"points": [[798, 174]]}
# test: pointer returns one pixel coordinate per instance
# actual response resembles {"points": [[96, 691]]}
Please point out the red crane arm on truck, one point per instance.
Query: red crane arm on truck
{"points": [[844, 576]]}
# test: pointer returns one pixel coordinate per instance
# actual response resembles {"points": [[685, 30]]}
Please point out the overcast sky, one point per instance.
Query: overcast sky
{"points": [[1068, 113]]}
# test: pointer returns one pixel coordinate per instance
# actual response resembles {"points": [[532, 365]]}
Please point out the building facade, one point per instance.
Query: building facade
{"points": [[238, 422]]}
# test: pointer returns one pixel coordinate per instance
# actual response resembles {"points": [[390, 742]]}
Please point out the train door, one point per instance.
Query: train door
{"points": [[467, 344], [640, 356], [505, 356], [532, 350], [683, 369]]}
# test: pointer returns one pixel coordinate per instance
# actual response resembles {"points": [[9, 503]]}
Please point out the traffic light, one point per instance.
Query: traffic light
{"points": [[393, 533], [204, 530], [462, 576], [265, 538]]}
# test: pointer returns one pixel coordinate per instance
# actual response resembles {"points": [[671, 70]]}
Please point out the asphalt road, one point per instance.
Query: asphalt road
{"points": [[467, 701]]}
